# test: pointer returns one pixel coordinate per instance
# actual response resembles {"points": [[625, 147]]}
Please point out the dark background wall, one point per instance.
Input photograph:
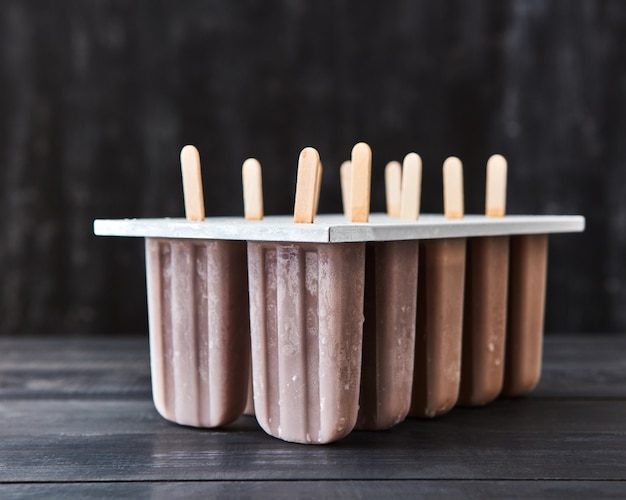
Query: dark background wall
{"points": [[97, 98]]}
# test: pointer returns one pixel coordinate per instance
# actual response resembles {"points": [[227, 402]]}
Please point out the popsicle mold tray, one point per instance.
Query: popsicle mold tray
{"points": [[344, 324]]}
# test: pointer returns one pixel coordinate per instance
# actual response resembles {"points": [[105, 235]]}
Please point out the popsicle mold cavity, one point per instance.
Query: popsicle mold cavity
{"points": [[484, 328], [306, 318], [199, 329], [388, 334], [439, 326], [527, 294]]}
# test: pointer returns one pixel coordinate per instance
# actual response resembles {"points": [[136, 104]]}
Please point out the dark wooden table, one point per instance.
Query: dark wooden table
{"points": [[76, 419]]}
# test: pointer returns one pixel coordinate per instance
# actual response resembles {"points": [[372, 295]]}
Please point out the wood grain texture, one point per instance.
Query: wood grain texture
{"points": [[98, 98], [360, 182], [107, 368], [568, 438], [319, 489], [309, 169], [107, 440]]}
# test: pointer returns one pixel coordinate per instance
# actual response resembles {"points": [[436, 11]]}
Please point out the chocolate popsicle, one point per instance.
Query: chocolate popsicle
{"points": [[486, 292], [527, 295], [306, 307], [390, 304], [439, 323], [197, 308]]}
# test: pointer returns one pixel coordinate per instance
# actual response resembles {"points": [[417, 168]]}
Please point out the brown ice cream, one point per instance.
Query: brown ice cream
{"points": [[439, 326], [527, 292], [484, 329], [388, 333], [199, 340], [306, 317]]}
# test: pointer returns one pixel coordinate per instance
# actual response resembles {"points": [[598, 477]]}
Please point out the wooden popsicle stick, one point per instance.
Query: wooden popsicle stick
{"points": [[411, 187], [345, 174], [192, 183], [252, 189], [360, 183], [495, 198], [393, 188], [304, 206], [318, 185], [453, 202]]}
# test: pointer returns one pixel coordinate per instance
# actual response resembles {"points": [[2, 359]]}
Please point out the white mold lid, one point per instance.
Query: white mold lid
{"points": [[337, 229]]}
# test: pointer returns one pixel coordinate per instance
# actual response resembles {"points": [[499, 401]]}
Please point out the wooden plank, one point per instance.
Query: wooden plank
{"points": [[106, 383], [575, 366], [306, 186], [74, 367], [79, 410], [83, 352], [321, 489], [590, 366], [528, 438]]}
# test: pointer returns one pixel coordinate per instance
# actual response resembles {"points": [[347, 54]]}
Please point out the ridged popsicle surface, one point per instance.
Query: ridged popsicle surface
{"points": [[527, 297], [439, 327], [484, 328], [199, 329], [306, 316], [391, 275]]}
